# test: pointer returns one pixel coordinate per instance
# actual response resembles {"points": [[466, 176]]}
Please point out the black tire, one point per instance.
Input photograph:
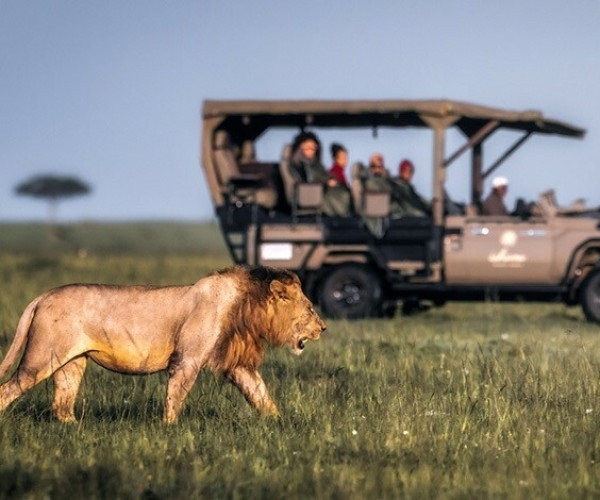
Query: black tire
{"points": [[351, 291], [589, 296]]}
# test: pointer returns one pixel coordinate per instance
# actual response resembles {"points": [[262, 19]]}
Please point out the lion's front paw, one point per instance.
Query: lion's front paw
{"points": [[270, 410]]}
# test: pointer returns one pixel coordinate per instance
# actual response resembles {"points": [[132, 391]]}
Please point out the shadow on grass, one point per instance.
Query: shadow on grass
{"points": [[20, 480], [39, 411], [215, 404]]}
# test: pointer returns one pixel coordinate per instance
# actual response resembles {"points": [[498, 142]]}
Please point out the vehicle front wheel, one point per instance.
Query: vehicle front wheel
{"points": [[351, 291], [589, 296]]}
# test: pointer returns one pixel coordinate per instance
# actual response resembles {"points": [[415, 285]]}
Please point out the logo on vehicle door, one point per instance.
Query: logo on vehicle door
{"points": [[504, 257]]}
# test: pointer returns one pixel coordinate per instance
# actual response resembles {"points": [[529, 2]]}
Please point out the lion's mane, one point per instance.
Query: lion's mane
{"points": [[249, 324]]}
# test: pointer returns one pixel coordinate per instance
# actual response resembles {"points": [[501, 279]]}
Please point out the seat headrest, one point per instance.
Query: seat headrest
{"points": [[248, 152], [357, 170], [286, 154], [221, 139]]}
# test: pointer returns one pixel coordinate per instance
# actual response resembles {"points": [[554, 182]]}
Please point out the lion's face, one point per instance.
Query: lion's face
{"points": [[294, 319]]}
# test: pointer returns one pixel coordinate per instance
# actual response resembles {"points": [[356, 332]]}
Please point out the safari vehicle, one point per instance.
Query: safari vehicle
{"points": [[365, 264]]}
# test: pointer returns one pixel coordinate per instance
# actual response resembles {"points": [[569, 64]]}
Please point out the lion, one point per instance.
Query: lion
{"points": [[223, 323]]}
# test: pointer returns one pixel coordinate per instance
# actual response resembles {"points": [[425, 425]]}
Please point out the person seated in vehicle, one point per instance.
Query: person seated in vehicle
{"points": [[494, 203], [377, 176], [339, 154], [406, 195], [306, 166], [378, 179]]}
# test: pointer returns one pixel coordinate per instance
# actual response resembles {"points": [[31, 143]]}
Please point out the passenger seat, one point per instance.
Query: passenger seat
{"points": [[239, 188], [372, 206], [367, 203], [303, 197]]}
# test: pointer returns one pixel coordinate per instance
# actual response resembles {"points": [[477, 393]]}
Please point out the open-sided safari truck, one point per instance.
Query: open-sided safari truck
{"points": [[364, 264]]}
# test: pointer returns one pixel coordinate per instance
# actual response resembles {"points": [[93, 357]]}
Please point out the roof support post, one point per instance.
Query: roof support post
{"points": [[476, 176], [439, 175], [438, 124]]}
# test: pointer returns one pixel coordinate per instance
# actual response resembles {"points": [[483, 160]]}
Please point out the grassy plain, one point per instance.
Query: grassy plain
{"points": [[466, 401]]}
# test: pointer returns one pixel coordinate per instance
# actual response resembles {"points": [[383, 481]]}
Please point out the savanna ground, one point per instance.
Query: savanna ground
{"points": [[466, 401]]}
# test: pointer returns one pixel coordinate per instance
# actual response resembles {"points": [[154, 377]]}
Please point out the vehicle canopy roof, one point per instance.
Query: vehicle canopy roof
{"points": [[248, 119]]}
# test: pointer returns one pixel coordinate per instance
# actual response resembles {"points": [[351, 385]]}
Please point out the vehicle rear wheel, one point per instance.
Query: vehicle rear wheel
{"points": [[351, 291], [589, 296]]}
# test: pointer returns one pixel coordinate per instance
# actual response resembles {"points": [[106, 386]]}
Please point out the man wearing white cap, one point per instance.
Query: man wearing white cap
{"points": [[494, 203]]}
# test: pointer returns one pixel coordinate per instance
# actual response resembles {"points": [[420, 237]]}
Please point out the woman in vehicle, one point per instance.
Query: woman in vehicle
{"points": [[306, 166], [337, 171]]}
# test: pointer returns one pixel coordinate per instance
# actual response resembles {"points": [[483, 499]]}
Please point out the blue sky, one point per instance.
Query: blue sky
{"points": [[111, 91]]}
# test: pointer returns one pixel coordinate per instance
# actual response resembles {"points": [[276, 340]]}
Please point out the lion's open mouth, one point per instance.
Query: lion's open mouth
{"points": [[301, 344]]}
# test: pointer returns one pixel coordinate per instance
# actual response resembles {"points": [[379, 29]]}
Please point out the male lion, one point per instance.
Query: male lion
{"points": [[222, 322]]}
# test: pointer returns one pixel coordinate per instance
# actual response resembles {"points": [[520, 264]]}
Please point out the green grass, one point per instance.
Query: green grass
{"points": [[466, 401]]}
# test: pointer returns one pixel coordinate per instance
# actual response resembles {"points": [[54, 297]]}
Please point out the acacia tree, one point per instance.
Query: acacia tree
{"points": [[53, 189]]}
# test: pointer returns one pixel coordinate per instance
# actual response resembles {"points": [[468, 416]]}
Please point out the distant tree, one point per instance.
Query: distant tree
{"points": [[53, 189]]}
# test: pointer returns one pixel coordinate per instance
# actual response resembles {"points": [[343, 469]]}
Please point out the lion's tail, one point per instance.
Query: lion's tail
{"points": [[20, 337]]}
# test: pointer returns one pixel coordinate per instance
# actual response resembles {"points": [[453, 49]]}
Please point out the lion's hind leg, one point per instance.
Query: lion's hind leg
{"points": [[67, 380], [23, 380], [10, 391], [37, 364]]}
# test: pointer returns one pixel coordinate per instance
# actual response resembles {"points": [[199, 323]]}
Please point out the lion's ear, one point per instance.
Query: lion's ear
{"points": [[278, 289]]}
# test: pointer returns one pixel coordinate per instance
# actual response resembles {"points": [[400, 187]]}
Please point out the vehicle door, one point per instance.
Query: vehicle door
{"points": [[498, 250]]}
